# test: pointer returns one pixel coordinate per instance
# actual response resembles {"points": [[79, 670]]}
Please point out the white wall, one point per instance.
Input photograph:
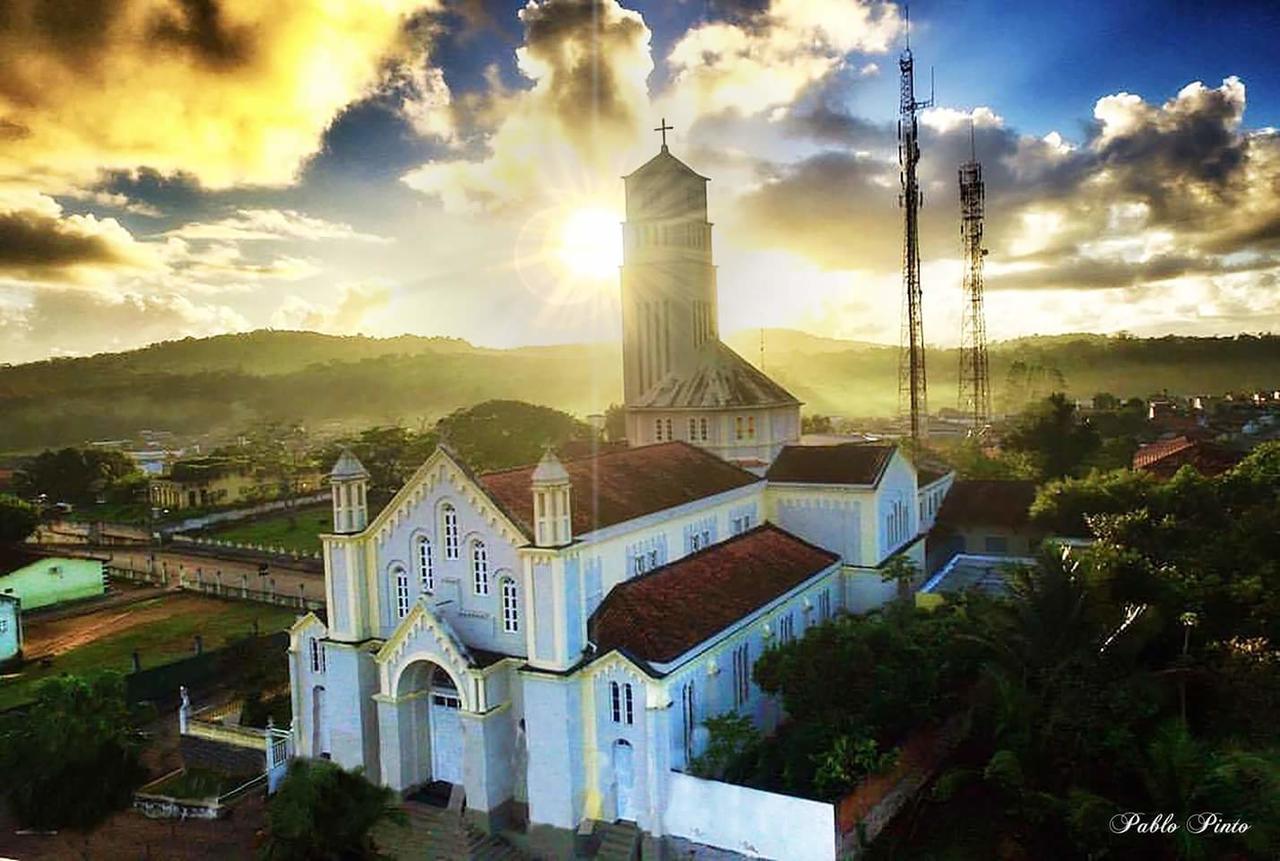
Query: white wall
{"points": [[749, 821]]}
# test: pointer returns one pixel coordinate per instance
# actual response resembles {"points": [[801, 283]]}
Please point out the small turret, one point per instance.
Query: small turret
{"points": [[551, 503], [350, 482]]}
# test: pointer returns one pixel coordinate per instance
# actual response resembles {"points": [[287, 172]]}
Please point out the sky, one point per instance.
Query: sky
{"points": [[175, 168]]}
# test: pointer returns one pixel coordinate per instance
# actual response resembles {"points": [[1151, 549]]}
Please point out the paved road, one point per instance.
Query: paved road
{"points": [[233, 574]]}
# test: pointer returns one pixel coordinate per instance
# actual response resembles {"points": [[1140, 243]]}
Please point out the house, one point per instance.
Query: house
{"points": [[39, 581], [988, 517], [549, 639], [216, 480], [1164, 458]]}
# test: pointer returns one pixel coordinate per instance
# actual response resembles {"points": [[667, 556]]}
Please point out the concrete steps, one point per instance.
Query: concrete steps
{"points": [[438, 834], [619, 841]]}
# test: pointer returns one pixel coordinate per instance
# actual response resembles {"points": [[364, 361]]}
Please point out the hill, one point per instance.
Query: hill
{"points": [[221, 385]]}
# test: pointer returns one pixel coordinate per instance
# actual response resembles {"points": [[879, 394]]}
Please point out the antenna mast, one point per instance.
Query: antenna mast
{"points": [[975, 377], [912, 384]]}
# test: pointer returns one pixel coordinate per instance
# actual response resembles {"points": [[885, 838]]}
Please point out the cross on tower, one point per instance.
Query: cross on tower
{"points": [[664, 128]]}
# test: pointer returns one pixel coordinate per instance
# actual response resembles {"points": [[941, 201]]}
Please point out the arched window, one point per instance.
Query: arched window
{"points": [[510, 606], [450, 516], [426, 566], [402, 592], [480, 568], [615, 702], [317, 656]]}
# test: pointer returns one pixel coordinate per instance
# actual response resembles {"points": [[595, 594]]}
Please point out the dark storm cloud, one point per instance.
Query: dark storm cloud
{"points": [[32, 242]]}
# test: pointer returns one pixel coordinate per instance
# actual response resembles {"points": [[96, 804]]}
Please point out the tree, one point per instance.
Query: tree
{"points": [[816, 424], [18, 519], [323, 812], [504, 434], [615, 423], [1052, 433], [73, 758], [73, 474]]}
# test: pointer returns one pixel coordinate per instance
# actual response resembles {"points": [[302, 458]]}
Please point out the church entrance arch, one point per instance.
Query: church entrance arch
{"points": [[432, 710]]}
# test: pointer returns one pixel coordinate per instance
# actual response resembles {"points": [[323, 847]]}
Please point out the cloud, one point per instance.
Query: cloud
{"points": [[39, 242], [587, 62], [770, 57], [61, 321], [228, 91], [1158, 197], [356, 302], [253, 225]]}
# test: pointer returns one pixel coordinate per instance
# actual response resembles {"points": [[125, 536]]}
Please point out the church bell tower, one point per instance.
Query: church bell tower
{"points": [[668, 279]]}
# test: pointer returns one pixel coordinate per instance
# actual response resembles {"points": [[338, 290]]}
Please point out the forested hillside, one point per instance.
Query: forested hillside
{"points": [[230, 382]]}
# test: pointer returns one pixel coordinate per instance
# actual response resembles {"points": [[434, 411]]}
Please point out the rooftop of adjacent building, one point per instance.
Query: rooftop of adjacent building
{"points": [[843, 463], [660, 615], [988, 502]]}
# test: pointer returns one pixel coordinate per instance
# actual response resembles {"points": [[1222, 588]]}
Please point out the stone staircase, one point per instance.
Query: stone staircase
{"points": [[619, 841], [438, 834]]}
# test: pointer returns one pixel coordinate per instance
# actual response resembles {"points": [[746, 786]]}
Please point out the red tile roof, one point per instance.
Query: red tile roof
{"points": [[616, 486], [987, 502], [661, 615], [1165, 457], [845, 463]]}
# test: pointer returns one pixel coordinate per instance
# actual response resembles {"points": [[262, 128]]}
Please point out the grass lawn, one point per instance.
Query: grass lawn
{"points": [[178, 617], [277, 530]]}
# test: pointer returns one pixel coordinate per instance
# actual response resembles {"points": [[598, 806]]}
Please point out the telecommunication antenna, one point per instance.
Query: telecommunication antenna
{"points": [[912, 385], [975, 374]]}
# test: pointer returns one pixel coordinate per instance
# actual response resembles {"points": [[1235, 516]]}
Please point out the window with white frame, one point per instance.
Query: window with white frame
{"points": [[751, 427], [700, 535], [317, 656], [657, 429], [739, 523], [693, 429], [702, 429], [824, 604], [510, 606], [479, 568], [644, 561], [426, 565], [739, 428], [621, 703], [4, 626], [689, 713], [741, 675], [670, 435], [402, 592], [449, 515], [786, 628]]}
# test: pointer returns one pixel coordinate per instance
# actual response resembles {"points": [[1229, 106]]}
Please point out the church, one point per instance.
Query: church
{"points": [[549, 639]]}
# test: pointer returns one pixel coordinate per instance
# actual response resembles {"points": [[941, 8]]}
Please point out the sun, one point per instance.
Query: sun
{"points": [[591, 243]]}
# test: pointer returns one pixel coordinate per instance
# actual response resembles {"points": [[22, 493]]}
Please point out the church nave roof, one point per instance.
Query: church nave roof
{"points": [[621, 485]]}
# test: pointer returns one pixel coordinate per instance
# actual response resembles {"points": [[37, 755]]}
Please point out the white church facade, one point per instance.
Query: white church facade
{"points": [[549, 639]]}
